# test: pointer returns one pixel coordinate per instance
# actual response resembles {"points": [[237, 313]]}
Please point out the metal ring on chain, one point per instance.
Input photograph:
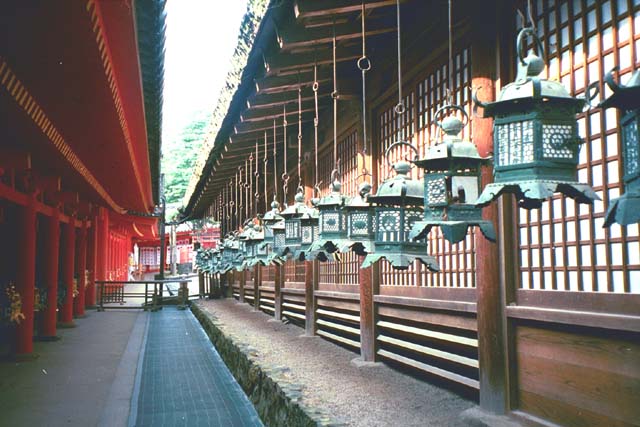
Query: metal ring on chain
{"points": [[335, 94], [400, 108], [364, 64], [315, 86], [398, 143], [285, 177], [444, 108]]}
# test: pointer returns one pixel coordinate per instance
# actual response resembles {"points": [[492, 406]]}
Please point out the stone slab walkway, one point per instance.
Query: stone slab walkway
{"points": [[183, 381]]}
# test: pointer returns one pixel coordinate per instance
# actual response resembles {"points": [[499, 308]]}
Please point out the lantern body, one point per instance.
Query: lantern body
{"points": [[332, 225], [273, 228], [396, 211], [625, 210], [536, 142], [301, 227], [452, 180]]}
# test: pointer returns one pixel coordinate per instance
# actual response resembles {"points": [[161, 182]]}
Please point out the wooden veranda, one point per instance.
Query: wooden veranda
{"points": [[543, 325]]}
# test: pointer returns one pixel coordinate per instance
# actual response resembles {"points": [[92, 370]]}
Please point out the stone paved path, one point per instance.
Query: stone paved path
{"points": [[182, 381]]}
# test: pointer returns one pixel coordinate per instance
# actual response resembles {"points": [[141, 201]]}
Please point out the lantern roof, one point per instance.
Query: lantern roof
{"points": [[335, 197], [299, 209], [528, 87], [452, 150], [401, 189], [625, 97]]}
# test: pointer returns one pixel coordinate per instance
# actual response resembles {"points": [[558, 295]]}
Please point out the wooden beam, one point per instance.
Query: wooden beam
{"points": [[297, 37], [267, 124], [261, 100], [305, 9], [261, 114], [302, 63], [290, 82]]}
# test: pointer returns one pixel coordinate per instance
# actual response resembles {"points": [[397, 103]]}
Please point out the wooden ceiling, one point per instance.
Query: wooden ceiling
{"points": [[301, 39]]}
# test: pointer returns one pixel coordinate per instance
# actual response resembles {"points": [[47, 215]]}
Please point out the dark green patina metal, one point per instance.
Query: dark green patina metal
{"points": [[332, 223], [536, 140], [301, 227], [397, 209], [625, 210], [360, 223], [452, 183], [273, 226]]}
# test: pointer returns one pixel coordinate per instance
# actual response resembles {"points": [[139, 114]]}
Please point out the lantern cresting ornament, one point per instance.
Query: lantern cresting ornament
{"points": [[452, 180], [536, 140], [625, 210], [396, 211]]}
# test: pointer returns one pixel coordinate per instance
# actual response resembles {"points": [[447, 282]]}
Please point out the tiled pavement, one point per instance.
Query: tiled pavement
{"points": [[183, 381]]}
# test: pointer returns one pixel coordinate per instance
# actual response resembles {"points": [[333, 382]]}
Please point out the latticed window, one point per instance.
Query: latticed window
{"points": [[563, 245], [423, 99]]}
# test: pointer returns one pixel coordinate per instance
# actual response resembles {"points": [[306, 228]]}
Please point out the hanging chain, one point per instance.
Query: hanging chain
{"points": [[275, 189], [299, 136], [400, 107], [364, 65], [285, 174], [315, 88], [257, 175], [334, 95], [250, 185], [450, 88], [247, 193]]}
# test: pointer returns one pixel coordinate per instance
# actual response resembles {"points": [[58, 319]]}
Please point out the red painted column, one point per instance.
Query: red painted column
{"points": [[52, 253], [81, 262], [26, 275], [68, 263], [92, 246]]}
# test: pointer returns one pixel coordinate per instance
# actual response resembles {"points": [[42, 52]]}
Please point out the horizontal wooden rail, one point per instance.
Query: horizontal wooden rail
{"points": [[468, 307], [338, 338], [427, 351], [456, 339], [581, 318], [338, 315]]}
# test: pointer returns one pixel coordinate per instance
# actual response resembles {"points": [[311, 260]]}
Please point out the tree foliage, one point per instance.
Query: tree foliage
{"points": [[179, 157]]}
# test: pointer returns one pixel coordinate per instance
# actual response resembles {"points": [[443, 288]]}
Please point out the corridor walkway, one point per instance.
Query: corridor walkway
{"points": [[183, 381], [120, 368]]}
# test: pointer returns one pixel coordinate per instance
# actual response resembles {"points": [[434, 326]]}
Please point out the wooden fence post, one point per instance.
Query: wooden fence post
{"points": [[242, 277], [311, 276], [278, 278], [369, 286], [257, 279]]}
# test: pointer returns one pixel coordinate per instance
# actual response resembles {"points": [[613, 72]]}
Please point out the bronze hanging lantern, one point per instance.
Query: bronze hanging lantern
{"points": [[332, 222], [536, 140], [360, 217], [625, 210], [274, 240], [452, 182], [300, 227], [397, 209]]}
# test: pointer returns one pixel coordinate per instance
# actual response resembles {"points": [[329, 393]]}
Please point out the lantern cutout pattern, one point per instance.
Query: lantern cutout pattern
{"points": [[360, 215], [332, 223], [301, 227], [396, 210], [452, 180], [273, 226], [255, 252], [536, 140], [625, 210]]}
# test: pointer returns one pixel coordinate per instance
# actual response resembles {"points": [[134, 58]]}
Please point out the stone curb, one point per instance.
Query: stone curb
{"points": [[276, 398]]}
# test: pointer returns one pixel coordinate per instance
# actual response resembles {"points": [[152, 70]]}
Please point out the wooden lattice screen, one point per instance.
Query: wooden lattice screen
{"points": [[417, 125], [563, 245]]}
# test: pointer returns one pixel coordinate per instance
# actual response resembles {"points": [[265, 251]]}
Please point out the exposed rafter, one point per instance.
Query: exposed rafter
{"points": [[305, 9]]}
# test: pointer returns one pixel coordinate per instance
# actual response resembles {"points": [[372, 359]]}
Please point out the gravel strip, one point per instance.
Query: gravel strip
{"points": [[368, 396]]}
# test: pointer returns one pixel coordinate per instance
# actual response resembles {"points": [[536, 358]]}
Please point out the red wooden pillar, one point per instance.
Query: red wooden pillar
{"points": [[492, 329], [68, 264], [92, 245], [26, 275], [102, 257], [78, 302], [369, 286], [52, 254]]}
